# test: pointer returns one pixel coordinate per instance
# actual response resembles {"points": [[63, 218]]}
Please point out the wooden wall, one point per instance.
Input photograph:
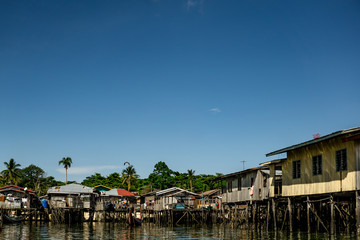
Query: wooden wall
{"points": [[330, 180]]}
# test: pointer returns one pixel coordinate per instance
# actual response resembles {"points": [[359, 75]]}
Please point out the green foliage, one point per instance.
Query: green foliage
{"points": [[32, 177], [162, 176], [11, 175], [94, 180], [129, 176], [114, 180], [66, 162]]}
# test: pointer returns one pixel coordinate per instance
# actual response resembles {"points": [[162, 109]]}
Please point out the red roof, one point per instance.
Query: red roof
{"points": [[18, 189], [123, 192]]}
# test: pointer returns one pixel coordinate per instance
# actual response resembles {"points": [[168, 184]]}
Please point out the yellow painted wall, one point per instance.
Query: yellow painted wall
{"points": [[330, 180]]}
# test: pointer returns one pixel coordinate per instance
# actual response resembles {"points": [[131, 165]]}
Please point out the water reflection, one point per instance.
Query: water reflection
{"points": [[148, 231]]}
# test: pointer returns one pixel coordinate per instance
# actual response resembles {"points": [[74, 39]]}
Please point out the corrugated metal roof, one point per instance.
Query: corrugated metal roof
{"points": [[71, 189], [210, 192], [119, 192], [242, 172], [276, 161], [174, 190], [316, 140]]}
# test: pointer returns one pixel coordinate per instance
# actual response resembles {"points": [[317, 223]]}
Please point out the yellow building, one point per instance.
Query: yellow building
{"points": [[328, 164]]}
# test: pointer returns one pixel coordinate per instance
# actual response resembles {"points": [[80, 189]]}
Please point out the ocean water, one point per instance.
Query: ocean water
{"points": [[148, 231]]}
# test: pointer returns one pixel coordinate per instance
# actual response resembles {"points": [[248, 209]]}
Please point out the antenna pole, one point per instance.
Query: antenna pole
{"points": [[243, 164]]}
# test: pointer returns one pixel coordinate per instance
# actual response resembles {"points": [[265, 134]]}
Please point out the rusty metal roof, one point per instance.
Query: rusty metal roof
{"points": [[71, 189], [316, 140]]}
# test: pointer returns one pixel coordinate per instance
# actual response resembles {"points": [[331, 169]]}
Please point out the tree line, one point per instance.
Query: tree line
{"points": [[162, 177]]}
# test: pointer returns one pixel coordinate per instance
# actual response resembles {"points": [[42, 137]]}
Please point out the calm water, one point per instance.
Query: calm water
{"points": [[148, 231]]}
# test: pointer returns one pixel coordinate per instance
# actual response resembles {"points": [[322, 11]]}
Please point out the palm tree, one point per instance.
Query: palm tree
{"points": [[12, 173], [191, 175], [129, 175], [66, 162]]}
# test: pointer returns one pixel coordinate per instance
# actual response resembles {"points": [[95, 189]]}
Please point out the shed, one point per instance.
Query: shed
{"points": [[72, 196], [246, 186]]}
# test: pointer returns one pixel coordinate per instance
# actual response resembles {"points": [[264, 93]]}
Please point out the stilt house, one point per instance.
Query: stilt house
{"points": [[275, 177], [118, 198], [17, 197], [246, 186], [328, 164], [171, 198], [211, 198], [72, 196]]}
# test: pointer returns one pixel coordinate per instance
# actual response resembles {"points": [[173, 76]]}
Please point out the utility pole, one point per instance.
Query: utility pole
{"points": [[243, 164]]}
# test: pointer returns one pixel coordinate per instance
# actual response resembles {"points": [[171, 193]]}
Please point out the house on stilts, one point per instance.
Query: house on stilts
{"points": [[321, 182]]}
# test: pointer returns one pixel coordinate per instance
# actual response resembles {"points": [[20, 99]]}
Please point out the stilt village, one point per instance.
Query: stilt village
{"points": [[310, 186]]}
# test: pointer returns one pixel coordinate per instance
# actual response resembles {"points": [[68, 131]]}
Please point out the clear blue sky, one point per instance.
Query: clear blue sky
{"points": [[198, 84]]}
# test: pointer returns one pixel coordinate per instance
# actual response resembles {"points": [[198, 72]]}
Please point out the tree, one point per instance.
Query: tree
{"points": [[31, 177], [12, 173], [162, 176], [94, 180], [66, 162], [191, 176], [129, 175]]}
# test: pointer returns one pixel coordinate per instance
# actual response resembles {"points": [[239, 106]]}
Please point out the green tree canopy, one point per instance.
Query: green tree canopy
{"points": [[94, 180], [32, 176], [66, 162], [129, 176], [12, 173], [162, 176]]}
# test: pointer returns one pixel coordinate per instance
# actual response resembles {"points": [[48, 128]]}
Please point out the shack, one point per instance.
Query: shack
{"points": [[72, 196], [115, 199], [13, 196], [171, 198], [210, 199], [275, 177], [246, 186]]}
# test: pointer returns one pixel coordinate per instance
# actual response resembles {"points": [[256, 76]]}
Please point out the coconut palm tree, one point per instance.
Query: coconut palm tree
{"points": [[66, 162], [12, 173], [191, 176], [129, 175]]}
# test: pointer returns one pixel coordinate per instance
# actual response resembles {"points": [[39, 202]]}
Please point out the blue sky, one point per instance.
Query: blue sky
{"points": [[198, 84]]}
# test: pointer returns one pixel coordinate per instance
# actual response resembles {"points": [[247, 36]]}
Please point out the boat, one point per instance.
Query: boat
{"points": [[8, 219]]}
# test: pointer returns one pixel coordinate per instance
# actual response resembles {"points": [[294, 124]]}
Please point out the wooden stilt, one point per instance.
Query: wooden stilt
{"points": [[290, 215], [268, 216], [308, 214], [274, 214], [357, 211], [332, 217]]}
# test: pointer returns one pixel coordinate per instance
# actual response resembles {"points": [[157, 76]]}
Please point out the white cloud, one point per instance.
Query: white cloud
{"points": [[88, 169], [194, 4], [215, 110]]}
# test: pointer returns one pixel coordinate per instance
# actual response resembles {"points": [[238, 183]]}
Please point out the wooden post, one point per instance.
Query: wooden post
{"points": [[308, 214], [268, 216], [290, 215], [254, 215], [332, 217], [357, 212], [247, 214], [274, 213]]}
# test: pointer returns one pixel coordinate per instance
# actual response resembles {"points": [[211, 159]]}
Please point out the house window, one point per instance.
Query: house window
{"points": [[265, 182], [230, 186], [341, 160], [317, 165], [239, 184], [296, 169]]}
